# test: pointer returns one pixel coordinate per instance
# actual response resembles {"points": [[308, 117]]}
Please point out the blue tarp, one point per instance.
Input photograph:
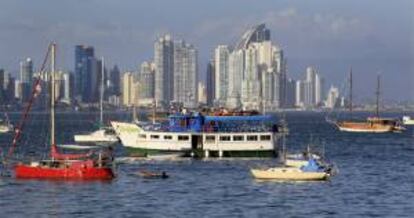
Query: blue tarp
{"points": [[312, 166]]}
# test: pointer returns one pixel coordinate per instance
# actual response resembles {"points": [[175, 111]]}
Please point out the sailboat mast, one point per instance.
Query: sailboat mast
{"points": [[52, 95], [102, 91], [154, 107], [378, 95], [350, 92]]}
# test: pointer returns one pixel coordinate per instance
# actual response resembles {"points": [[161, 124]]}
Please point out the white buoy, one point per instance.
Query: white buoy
{"points": [[192, 154], [206, 153], [220, 153]]}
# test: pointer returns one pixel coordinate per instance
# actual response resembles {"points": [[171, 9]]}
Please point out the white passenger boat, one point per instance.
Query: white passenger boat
{"points": [[201, 136]]}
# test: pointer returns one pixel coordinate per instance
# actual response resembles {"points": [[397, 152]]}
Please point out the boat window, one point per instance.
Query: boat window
{"points": [[238, 138], [265, 138], [224, 138], [155, 136], [252, 138], [168, 137], [183, 138], [142, 136], [210, 138]]}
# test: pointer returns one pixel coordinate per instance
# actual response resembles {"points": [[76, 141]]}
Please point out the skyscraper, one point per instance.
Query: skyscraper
{"points": [[256, 72], [185, 74], [146, 80], [26, 77], [114, 81], [311, 89], [221, 57], [332, 98], [129, 92], [164, 65], [85, 73], [210, 83]]}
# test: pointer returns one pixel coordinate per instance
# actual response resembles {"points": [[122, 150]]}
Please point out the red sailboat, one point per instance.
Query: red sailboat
{"points": [[83, 166]]}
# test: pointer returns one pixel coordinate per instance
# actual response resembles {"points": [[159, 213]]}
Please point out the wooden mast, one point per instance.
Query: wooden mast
{"points": [[378, 95], [350, 92]]}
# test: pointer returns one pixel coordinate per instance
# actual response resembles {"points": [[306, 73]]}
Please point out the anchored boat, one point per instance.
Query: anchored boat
{"points": [[202, 136], [104, 135], [374, 124], [5, 125], [75, 166], [407, 120]]}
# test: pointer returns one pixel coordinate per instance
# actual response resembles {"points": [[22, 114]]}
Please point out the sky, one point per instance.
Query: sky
{"points": [[370, 36]]}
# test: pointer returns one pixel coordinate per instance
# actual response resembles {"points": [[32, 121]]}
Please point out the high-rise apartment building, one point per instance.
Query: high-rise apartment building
{"points": [[221, 68], [129, 89], [86, 74], [26, 79], [146, 79], [164, 68], [210, 83], [185, 74]]}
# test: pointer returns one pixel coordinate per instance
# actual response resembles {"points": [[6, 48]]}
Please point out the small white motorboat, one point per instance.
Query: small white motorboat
{"points": [[100, 136], [5, 125], [407, 120]]}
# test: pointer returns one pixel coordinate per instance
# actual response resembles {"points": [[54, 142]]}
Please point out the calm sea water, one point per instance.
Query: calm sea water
{"points": [[376, 179]]}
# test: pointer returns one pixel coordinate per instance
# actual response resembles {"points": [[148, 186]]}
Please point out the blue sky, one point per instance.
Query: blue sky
{"points": [[370, 36]]}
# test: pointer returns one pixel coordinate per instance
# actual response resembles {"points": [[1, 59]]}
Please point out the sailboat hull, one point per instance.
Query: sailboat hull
{"points": [[74, 172], [287, 173], [364, 127]]}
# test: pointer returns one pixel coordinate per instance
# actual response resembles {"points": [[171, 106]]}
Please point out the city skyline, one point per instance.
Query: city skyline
{"points": [[320, 34]]}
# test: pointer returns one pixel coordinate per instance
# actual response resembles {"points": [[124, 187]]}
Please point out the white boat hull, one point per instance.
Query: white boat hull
{"points": [[363, 130], [288, 173], [97, 137], [407, 120]]}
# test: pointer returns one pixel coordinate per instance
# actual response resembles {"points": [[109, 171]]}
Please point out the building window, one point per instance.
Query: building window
{"points": [[154, 136], [265, 138], [183, 138], [142, 136], [210, 138], [238, 138], [168, 137], [224, 138], [252, 138]]}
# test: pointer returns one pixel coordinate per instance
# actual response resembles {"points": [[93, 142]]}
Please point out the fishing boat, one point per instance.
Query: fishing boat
{"points": [[374, 124], [197, 135], [407, 120], [5, 125], [104, 135], [91, 165]]}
